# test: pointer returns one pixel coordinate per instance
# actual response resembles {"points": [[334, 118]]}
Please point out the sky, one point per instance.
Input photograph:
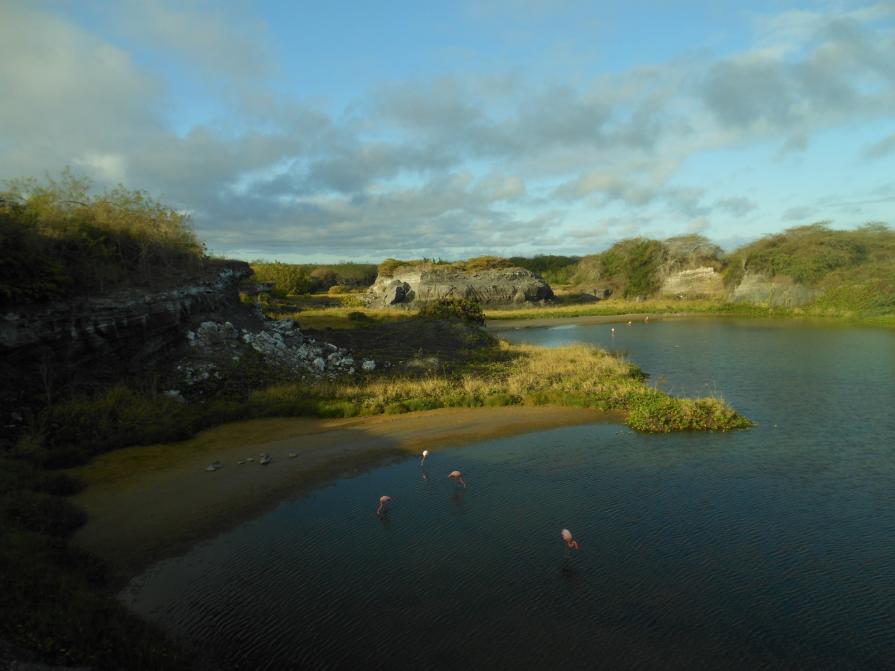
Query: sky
{"points": [[357, 131]]}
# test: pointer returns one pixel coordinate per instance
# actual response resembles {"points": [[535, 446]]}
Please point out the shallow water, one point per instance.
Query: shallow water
{"points": [[767, 548]]}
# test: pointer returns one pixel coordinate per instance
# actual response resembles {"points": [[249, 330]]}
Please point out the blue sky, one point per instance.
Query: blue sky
{"points": [[358, 131]]}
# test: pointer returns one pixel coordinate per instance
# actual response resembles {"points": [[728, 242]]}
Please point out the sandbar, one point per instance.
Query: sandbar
{"points": [[151, 502]]}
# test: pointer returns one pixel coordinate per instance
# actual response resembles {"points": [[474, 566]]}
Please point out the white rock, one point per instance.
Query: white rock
{"points": [[368, 364]]}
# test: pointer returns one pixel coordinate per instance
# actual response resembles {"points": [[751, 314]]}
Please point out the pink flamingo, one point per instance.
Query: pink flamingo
{"points": [[383, 504], [423, 459], [459, 477], [571, 543]]}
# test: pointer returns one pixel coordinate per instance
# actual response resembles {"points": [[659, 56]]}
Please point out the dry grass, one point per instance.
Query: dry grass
{"points": [[618, 307], [576, 375]]}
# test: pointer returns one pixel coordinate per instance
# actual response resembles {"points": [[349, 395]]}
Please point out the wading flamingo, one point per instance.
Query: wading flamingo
{"points": [[423, 458], [383, 504], [458, 476], [571, 543]]}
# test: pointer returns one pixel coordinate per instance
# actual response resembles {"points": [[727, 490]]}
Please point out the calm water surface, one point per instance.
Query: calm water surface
{"points": [[768, 548]]}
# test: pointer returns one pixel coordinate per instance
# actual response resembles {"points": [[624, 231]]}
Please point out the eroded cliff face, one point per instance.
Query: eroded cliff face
{"points": [[754, 288], [45, 346], [778, 291], [412, 286], [694, 282]]}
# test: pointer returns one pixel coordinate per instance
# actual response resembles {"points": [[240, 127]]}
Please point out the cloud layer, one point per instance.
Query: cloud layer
{"points": [[447, 165]]}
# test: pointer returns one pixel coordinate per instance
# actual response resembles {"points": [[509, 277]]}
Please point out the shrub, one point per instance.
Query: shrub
{"points": [[57, 240], [486, 263], [287, 278], [811, 254], [453, 308]]}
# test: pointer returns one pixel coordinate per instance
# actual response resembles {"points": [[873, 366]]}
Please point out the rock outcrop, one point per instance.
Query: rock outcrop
{"points": [[44, 346], [694, 282], [779, 291], [411, 286], [279, 341]]}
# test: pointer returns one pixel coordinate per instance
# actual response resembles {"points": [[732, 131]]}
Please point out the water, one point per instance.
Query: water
{"points": [[768, 548]]}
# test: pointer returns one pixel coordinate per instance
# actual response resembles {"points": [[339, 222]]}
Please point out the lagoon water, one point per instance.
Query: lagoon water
{"points": [[768, 548]]}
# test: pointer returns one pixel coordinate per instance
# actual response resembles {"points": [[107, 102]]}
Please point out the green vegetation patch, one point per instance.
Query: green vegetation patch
{"points": [[292, 279], [57, 240], [810, 254]]}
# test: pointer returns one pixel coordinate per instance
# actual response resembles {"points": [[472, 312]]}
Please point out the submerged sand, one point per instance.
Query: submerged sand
{"points": [[148, 503]]}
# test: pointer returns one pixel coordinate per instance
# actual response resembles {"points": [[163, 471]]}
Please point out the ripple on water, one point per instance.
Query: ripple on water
{"points": [[769, 548]]}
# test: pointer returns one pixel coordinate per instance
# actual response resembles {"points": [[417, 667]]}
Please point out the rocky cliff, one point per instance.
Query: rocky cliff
{"points": [[45, 346], [694, 282], [412, 285]]}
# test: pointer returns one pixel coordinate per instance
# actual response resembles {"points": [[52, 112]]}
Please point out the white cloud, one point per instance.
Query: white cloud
{"points": [[456, 162]]}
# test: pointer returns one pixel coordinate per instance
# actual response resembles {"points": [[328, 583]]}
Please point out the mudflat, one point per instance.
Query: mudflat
{"points": [[151, 502]]}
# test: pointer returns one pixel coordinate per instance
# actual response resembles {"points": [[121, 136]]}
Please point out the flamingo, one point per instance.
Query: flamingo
{"points": [[459, 477], [571, 543], [423, 459], [383, 504]]}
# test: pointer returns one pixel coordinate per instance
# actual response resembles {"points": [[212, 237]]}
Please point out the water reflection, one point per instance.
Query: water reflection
{"points": [[769, 548]]}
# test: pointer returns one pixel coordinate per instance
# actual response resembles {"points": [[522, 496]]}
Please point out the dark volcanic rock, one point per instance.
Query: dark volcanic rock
{"points": [[45, 345]]}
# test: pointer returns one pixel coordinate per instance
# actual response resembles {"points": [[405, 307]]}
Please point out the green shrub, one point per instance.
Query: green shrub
{"points": [[485, 263], [810, 254], [57, 240], [453, 308], [554, 269]]}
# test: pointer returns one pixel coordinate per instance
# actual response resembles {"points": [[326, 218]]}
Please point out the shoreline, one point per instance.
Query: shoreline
{"points": [[512, 324], [148, 503], [498, 324]]}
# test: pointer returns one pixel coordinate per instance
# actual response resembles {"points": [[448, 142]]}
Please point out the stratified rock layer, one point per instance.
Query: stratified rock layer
{"points": [[412, 286], [45, 346], [694, 282]]}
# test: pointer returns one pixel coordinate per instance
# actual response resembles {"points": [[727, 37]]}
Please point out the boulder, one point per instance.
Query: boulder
{"points": [[413, 285]]}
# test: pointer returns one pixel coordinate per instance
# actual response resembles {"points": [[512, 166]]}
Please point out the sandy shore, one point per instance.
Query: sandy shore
{"points": [[148, 503], [513, 324]]}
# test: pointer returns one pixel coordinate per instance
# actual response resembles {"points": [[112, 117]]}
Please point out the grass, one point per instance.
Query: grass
{"points": [[489, 373], [622, 306], [849, 304], [576, 375]]}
